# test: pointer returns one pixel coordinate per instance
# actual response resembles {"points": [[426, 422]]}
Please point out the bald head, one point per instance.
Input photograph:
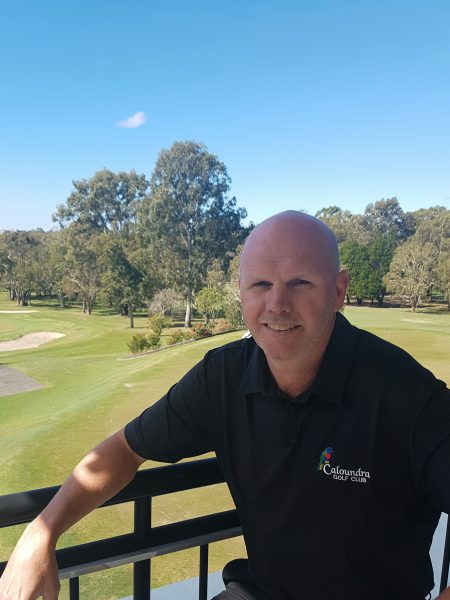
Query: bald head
{"points": [[291, 231], [291, 289]]}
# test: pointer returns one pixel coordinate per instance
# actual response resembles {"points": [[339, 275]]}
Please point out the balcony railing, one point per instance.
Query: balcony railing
{"points": [[145, 542]]}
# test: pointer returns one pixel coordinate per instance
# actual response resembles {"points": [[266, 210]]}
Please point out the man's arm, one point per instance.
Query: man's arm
{"points": [[32, 570]]}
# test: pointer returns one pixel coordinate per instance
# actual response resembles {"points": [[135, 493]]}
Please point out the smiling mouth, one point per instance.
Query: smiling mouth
{"points": [[280, 326]]}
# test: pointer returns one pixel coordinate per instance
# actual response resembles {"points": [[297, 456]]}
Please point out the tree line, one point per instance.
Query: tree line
{"points": [[389, 251], [127, 242], [172, 242]]}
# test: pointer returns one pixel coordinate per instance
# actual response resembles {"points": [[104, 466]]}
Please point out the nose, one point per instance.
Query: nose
{"points": [[278, 300]]}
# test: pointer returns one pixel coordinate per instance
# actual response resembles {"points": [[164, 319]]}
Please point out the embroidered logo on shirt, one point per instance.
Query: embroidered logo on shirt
{"points": [[341, 473], [325, 458]]}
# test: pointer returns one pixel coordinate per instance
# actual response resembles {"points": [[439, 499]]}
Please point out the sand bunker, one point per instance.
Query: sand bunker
{"points": [[30, 340], [16, 312], [13, 381]]}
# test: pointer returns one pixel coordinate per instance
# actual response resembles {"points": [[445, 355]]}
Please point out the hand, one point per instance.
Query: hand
{"points": [[31, 571], [445, 595]]}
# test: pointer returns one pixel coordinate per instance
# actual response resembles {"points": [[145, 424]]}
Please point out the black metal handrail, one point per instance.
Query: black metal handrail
{"points": [[145, 541]]}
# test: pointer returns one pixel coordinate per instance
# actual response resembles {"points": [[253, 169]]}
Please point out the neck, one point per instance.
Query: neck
{"points": [[293, 380]]}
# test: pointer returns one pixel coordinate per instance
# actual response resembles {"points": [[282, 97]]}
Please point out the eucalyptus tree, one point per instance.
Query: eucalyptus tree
{"points": [[193, 218], [443, 271], [98, 210], [123, 279], [386, 216], [107, 201], [411, 270], [436, 230], [22, 262]]}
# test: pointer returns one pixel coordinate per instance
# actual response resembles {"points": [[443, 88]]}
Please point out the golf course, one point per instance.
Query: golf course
{"points": [[87, 385]]}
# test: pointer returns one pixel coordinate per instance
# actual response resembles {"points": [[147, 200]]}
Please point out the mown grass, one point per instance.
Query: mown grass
{"points": [[91, 389]]}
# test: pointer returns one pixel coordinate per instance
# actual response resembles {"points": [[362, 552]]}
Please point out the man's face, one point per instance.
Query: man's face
{"points": [[290, 291]]}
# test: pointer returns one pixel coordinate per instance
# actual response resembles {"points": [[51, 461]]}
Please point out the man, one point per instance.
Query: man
{"points": [[333, 442]]}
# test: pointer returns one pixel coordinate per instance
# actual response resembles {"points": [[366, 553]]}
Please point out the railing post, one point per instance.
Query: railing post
{"points": [[141, 569], [74, 588], [445, 559], [203, 574]]}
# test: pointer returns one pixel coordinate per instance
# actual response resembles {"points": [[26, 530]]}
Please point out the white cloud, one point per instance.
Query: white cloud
{"points": [[136, 120]]}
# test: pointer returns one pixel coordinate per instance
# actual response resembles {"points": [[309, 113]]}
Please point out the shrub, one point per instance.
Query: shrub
{"points": [[222, 326], [201, 330], [210, 302], [140, 342], [153, 339], [158, 322], [179, 335]]}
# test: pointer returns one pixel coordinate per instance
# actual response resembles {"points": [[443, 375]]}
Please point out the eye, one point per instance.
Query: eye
{"points": [[262, 284], [298, 282]]}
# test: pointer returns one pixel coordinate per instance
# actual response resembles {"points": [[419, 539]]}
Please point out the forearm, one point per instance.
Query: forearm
{"points": [[32, 571], [98, 477]]}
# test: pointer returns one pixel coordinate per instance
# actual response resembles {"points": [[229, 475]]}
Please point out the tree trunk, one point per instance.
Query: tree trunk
{"points": [[188, 315], [348, 299], [131, 315]]}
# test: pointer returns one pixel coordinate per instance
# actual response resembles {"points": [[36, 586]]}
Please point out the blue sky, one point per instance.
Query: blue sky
{"points": [[308, 103]]}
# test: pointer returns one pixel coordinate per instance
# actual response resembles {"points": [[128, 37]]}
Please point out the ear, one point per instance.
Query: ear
{"points": [[342, 280]]}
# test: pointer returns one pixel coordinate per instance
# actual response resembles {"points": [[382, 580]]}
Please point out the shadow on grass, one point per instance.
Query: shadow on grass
{"points": [[433, 309]]}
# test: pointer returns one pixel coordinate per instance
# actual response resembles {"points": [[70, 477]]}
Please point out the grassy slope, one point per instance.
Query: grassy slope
{"points": [[90, 391]]}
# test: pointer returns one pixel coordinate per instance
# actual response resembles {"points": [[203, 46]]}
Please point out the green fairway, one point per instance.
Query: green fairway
{"points": [[92, 387]]}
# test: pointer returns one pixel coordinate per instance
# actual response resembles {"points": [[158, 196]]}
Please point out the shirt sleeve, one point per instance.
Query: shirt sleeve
{"points": [[181, 424], [430, 445], [437, 477]]}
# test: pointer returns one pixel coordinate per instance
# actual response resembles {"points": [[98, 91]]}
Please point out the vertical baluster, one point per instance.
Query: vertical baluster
{"points": [[141, 569], [203, 574], [74, 588]]}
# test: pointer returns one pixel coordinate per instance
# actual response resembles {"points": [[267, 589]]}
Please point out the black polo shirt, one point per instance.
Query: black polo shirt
{"points": [[339, 490]]}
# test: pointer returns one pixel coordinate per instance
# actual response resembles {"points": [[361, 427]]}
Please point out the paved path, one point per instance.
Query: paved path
{"points": [[13, 381]]}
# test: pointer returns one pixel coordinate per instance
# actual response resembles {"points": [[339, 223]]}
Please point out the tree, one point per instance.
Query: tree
{"points": [[380, 252], [355, 258], [436, 231], [210, 302], [99, 207], [426, 214], [337, 220], [22, 255], [106, 201], [122, 278], [387, 217], [411, 270], [83, 277], [192, 216], [166, 302], [443, 271]]}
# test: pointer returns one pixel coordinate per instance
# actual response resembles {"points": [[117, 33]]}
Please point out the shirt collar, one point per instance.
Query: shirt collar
{"points": [[333, 372]]}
